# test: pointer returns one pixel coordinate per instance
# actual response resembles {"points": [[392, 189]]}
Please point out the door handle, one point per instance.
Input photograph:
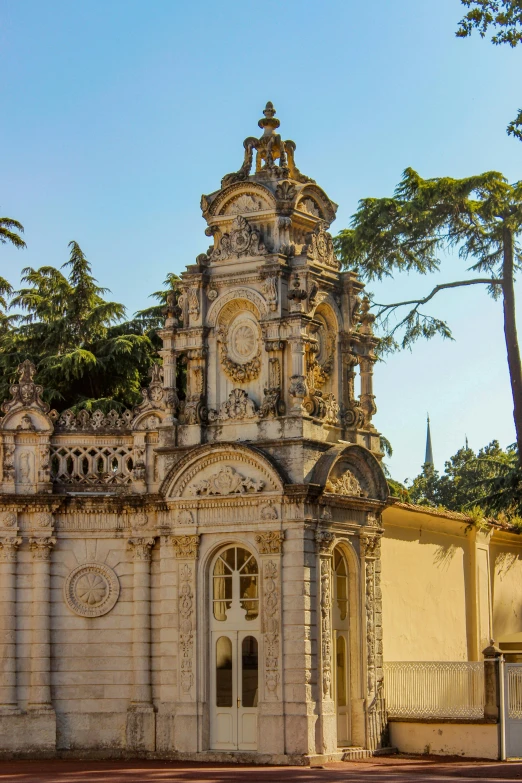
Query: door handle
{"points": [[238, 703]]}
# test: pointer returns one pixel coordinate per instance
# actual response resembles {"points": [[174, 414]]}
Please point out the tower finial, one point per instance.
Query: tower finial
{"points": [[428, 458], [269, 123]]}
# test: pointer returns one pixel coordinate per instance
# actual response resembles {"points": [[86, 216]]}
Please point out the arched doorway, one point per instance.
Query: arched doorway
{"points": [[234, 649], [341, 646]]}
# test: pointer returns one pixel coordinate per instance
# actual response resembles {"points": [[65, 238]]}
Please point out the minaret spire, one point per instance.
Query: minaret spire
{"points": [[428, 459]]}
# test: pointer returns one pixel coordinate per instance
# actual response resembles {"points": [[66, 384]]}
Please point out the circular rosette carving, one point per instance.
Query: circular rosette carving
{"points": [[241, 350], [91, 590]]}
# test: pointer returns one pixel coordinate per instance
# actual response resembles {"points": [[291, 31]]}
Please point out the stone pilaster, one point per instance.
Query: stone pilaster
{"points": [[140, 716], [188, 709], [40, 692], [325, 542], [271, 713], [377, 727], [8, 555]]}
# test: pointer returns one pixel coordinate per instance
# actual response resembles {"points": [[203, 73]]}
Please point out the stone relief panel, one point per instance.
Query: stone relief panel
{"points": [[238, 406], [240, 348], [91, 590], [186, 627], [271, 593], [242, 240], [222, 470]]}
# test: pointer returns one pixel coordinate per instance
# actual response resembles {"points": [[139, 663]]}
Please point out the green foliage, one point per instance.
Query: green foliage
{"points": [[409, 232], [86, 354], [489, 482], [8, 232], [398, 490], [505, 18]]}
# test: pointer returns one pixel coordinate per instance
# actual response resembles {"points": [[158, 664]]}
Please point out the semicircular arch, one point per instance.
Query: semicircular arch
{"points": [[351, 471]]}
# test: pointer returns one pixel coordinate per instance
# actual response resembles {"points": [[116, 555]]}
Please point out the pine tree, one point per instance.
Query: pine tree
{"points": [[480, 216]]}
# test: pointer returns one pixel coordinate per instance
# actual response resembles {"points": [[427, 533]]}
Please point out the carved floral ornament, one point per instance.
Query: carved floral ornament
{"points": [[226, 481], [8, 519], [242, 240], [91, 589], [237, 406], [185, 547], [270, 543]]}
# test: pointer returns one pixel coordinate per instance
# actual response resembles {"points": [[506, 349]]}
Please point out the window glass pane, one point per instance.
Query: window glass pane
{"points": [[248, 595], [341, 672], [229, 556], [249, 672], [221, 568], [242, 557], [250, 567], [223, 672], [222, 596]]}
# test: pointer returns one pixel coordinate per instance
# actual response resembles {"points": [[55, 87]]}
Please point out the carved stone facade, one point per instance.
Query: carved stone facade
{"points": [[202, 528]]}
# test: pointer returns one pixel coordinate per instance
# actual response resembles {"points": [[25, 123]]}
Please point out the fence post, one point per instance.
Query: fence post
{"points": [[492, 656]]}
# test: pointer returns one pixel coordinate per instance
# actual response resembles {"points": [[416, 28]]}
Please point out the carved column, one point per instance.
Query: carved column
{"points": [[194, 407], [297, 388], [377, 729], [40, 692], [271, 712], [273, 404], [325, 542], [140, 720], [367, 395], [186, 552], [8, 554]]}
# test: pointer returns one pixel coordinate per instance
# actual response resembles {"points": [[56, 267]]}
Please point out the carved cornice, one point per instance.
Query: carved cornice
{"points": [[185, 547]]}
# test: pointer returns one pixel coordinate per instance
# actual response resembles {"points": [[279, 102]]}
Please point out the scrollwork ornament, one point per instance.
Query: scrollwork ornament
{"points": [[186, 612], [185, 547], [41, 548], [271, 620], [8, 548], [324, 542], [141, 548]]}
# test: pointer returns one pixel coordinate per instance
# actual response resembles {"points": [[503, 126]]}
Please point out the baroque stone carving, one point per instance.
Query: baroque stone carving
{"points": [[270, 291], [238, 406], [271, 618], [326, 630], [324, 542], [268, 513], [8, 519], [41, 548], [155, 397], [185, 547], [331, 414], [320, 247], [186, 636], [43, 519], [272, 404], [193, 301], [91, 589], [240, 351], [270, 543], [242, 240], [244, 203], [185, 517], [141, 548], [227, 481], [9, 467], [26, 393], [347, 484], [140, 519], [8, 548], [309, 206], [86, 422], [44, 471]]}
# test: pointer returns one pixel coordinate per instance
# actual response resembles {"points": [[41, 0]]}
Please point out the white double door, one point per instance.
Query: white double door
{"points": [[234, 690]]}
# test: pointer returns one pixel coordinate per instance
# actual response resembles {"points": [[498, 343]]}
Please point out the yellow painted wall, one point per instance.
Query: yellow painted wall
{"points": [[506, 569], [446, 739], [424, 573]]}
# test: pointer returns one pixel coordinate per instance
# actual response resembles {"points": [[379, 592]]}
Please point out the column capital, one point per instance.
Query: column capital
{"points": [[324, 542], [141, 548], [370, 545], [185, 547], [270, 543], [41, 547], [8, 548]]}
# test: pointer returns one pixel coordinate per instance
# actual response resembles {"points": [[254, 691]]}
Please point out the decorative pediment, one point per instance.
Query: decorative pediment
{"points": [[26, 411], [320, 247], [222, 470], [350, 471]]}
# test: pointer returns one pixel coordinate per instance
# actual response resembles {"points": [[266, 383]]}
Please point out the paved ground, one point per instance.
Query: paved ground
{"points": [[385, 770]]}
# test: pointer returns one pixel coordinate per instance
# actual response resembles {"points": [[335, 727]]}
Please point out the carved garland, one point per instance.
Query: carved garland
{"points": [[238, 371], [186, 611], [271, 607]]}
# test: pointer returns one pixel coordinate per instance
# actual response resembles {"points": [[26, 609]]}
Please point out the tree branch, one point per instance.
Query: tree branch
{"points": [[456, 284]]}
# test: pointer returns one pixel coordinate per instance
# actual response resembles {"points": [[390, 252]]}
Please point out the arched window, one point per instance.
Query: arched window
{"points": [[235, 577], [340, 644], [340, 583]]}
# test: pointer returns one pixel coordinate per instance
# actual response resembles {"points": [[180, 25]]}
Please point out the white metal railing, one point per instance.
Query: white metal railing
{"points": [[434, 689], [514, 683]]}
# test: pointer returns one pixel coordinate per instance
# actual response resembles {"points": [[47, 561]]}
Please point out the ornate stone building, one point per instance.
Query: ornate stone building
{"points": [[201, 575]]}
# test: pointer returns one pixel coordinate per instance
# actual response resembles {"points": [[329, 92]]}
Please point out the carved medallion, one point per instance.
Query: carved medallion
{"points": [[8, 519], [227, 481], [91, 590]]}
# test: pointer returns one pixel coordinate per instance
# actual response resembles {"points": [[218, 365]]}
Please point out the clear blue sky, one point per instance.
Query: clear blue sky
{"points": [[118, 115]]}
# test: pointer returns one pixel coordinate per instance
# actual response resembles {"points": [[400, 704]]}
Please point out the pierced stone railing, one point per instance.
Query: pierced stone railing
{"points": [[95, 467], [434, 689]]}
